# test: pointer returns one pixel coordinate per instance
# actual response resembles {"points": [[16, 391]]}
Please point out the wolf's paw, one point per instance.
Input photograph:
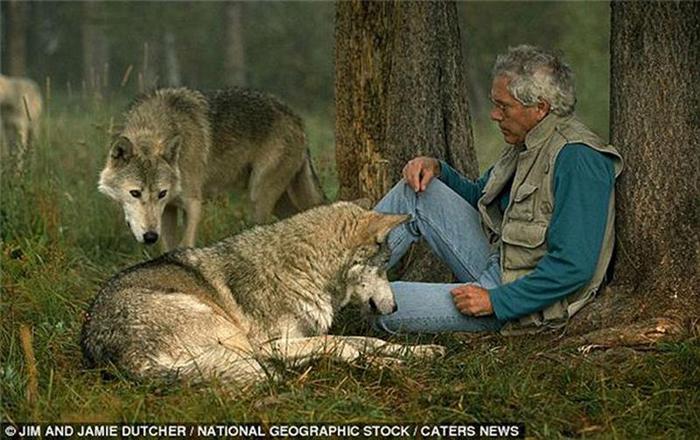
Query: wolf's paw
{"points": [[383, 361], [427, 351]]}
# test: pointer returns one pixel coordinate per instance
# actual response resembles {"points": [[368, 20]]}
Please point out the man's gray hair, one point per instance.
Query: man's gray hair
{"points": [[537, 75]]}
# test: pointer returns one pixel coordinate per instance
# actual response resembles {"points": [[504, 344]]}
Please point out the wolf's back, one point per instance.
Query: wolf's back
{"points": [[168, 112], [247, 119], [247, 109]]}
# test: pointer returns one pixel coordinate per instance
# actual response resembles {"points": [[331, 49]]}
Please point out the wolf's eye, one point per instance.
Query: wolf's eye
{"points": [[136, 193], [162, 193]]}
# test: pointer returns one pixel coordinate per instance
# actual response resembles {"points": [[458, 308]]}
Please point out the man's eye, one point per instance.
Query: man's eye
{"points": [[162, 193], [136, 193], [498, 105]]}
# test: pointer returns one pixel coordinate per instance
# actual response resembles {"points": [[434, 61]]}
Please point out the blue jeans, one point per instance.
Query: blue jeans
{"points": [[452, 229]]}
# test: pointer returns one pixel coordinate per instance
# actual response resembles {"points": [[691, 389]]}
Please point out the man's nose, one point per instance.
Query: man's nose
{"points": [[496, 114]]}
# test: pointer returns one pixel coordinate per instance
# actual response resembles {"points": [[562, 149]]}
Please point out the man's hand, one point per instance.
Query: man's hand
{"points": [[472, 300], [419, 171]]}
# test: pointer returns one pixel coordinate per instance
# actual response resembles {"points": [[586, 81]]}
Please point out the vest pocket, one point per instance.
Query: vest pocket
{"points": [[523, 205], [523, 244]]}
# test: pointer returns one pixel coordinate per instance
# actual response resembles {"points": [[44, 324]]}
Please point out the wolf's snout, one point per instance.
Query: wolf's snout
{"points": [[383, 308], [150, 237]]}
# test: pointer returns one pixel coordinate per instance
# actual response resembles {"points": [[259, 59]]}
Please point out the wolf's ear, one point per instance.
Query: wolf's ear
{"points": [[363, 202], [122, 149], [379, 225], [172, 149]]}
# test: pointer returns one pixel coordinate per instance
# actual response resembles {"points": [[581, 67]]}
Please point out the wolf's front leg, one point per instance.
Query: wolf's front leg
{"points": [[193, 210], [298, 351], [169, 228], [380, 347], [345, 348]]}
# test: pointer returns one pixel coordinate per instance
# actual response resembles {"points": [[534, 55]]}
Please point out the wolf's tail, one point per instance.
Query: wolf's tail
{"points": [[303, 192]]}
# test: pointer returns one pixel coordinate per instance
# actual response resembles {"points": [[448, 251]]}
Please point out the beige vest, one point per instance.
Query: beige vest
{"points": [[521, 230]]}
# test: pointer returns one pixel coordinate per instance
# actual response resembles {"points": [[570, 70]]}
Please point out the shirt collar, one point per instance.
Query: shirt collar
{"points": [[541, 132]]}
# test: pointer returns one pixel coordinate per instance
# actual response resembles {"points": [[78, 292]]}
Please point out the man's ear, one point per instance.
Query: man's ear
{"points": [[379, 225], [172, 150], [122, 149], [543, 108]]}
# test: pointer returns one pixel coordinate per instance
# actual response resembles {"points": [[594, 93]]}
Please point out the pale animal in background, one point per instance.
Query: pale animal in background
{"points": [[20, 109]]}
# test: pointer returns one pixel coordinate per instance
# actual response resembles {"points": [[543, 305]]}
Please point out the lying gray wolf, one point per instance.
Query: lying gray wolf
{"points": [[20, 110], [271, 292], [180, 146]]}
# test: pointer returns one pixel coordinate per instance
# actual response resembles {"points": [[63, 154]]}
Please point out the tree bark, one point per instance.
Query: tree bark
{"points": [[400, 93], [655, 125], [16, 38], [234, 51]]}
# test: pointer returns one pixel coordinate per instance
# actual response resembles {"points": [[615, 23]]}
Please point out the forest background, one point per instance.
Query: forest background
{"points": [[113, 50]]}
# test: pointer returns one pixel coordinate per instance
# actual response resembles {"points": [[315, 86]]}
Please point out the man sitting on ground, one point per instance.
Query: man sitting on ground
{"points": [[531, 239]]}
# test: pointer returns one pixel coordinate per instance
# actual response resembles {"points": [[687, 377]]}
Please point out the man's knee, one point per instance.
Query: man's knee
{"points": [[437, 201], [400, 199], [436, 186], [437, 189]]}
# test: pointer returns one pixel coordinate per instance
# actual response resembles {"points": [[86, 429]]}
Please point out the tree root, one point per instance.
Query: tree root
{"points": [[641, 335]]}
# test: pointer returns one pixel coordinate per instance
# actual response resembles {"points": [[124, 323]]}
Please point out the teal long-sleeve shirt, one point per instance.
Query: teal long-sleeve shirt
{"points": [[583, 181]]}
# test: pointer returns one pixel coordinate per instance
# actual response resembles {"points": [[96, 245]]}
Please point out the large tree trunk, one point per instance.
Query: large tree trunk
{"points": [[234, 53], [654, 123], [399, 93], [16, 38], [95, 49]]}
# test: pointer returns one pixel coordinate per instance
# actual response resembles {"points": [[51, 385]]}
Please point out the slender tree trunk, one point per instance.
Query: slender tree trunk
{"points": [[655, 92], [149, 76], [234, 53], [172, 63], [16, 37], [400, 93], [95, 50]]}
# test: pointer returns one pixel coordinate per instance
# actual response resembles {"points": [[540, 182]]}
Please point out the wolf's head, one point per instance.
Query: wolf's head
{"points": [[366, 279], [143, 183]]}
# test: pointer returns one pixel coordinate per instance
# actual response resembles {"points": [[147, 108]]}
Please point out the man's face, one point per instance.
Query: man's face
{"points": [[514, 119]]}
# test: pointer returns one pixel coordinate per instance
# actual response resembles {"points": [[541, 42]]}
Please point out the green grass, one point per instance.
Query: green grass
{"points": [[60, 239]]}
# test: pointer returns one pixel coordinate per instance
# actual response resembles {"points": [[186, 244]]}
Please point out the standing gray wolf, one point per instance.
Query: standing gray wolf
{"points": [[225, 311], [180, 146], [20, 109]]}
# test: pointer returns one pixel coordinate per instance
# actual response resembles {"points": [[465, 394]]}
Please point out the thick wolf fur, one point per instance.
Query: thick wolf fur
{"points": [[20, 110], [180, 146], [271, 292]]}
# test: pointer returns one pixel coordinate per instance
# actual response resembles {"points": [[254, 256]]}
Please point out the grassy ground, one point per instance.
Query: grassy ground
{"points": [[60, 239]]}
